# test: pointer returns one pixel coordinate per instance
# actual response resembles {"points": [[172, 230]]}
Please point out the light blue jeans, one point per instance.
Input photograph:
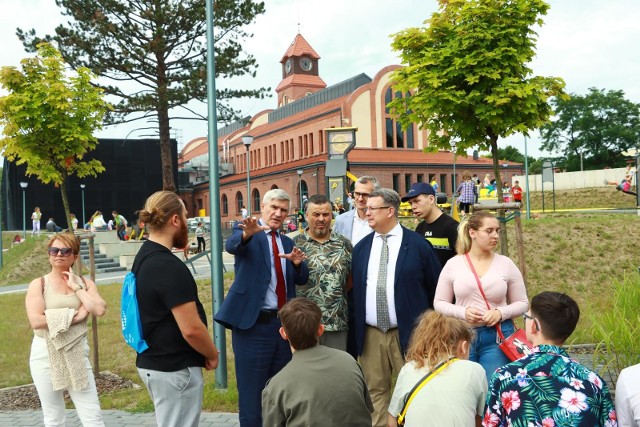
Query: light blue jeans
{"points": [[485, 350], [177, 395]]}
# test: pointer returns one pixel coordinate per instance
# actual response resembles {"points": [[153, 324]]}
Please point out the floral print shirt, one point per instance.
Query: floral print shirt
{"points": [[329, 267], [548, 389]]}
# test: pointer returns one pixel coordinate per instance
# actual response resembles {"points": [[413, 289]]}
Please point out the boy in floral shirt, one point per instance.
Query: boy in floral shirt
{"points": [[547, 388]]}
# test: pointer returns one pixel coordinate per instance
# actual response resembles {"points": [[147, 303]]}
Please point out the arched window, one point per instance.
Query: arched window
{"points": [[273, 187], [225, 205], [239, 202], [395, 137], [255, 200]]}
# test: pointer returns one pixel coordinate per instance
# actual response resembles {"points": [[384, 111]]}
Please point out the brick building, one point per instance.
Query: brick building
{"points": [[289, 149]]}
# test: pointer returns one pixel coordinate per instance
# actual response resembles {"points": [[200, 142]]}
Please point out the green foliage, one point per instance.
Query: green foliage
{"points": [[49, 118], [600, 125], [468, 74], [617, 329], [159, 47]]}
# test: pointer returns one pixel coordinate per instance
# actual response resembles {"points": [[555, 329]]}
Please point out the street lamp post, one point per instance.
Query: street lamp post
{"points": [[24, 186], [453, 190], [84, 220], [247, 140], [300, 171]]}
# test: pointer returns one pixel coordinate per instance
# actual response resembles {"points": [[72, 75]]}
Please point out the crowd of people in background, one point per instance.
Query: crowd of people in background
{"points": [[343, 323]]}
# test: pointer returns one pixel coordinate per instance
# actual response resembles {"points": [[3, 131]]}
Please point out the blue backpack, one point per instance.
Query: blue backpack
{"points": [[130, 315]]}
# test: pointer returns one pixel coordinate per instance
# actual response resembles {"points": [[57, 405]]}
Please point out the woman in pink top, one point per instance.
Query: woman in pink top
{"points": [[501, 281]]}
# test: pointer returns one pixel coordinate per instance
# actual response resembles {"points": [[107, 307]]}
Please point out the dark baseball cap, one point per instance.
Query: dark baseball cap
{"points": [[417, 189]]}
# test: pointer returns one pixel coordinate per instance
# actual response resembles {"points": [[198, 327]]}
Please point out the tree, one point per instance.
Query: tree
{"points": [[49, 117], [468, 75], [159, 48], [598, 126]]}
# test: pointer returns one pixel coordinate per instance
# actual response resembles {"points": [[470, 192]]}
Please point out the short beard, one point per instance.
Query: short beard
{"points": [[181, 239]]}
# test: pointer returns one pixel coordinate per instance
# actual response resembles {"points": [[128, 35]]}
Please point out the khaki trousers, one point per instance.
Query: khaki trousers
{"points": [[381, 361]]}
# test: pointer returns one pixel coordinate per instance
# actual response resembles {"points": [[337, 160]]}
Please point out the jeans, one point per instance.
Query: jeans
{"points": [[485, 350], [177, 395], [85, 400]]}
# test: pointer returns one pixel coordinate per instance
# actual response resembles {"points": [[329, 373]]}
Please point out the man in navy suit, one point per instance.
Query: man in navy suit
{"points": [[395, 272], [260, 288]]}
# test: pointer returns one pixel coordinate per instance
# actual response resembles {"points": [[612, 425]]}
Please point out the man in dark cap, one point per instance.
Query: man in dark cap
{"points": [[439, 229]]}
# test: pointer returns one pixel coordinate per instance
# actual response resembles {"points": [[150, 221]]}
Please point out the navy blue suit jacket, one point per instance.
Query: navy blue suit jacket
{"points": [[252, 266], [416, 277]]}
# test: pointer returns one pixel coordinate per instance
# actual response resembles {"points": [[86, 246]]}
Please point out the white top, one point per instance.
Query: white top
{"points": [[628, 397], [360, 228], [394, 242], [452, 398]]}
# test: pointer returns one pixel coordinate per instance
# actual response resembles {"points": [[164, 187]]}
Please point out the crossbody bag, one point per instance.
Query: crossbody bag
{"points": [[515, 345], [419, 385]]}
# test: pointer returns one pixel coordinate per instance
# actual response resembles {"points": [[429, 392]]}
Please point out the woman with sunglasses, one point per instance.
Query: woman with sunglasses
{"points": [[58, 306], [458, 293]]}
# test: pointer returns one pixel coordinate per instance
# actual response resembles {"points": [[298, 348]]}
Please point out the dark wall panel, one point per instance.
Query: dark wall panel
{"points": [[133, 172]]}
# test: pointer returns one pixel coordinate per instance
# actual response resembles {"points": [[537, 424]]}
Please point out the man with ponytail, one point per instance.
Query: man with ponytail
{"points": [[174, 323]]}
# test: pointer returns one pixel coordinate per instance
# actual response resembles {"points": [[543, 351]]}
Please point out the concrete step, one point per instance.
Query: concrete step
{"points": [[110, 269], [95, 256], [107, 264]]}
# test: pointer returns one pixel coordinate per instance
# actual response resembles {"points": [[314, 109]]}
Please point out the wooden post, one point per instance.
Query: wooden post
{"points": [[94, 320], [519, 237]]}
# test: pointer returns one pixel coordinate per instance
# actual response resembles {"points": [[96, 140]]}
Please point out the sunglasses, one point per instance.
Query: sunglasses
{"points": [[53, 251]]}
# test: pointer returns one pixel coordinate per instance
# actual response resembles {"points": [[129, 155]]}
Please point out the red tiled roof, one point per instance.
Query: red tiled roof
{"points": [[299, 47], [301, 80]]}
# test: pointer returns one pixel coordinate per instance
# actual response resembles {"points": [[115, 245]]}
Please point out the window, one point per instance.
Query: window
{"points": [[225, 205], [396, 182], [311, 151], [395, 137], [420, 177], [255, 200], [239, 202], [321, 141], [407, 182]]}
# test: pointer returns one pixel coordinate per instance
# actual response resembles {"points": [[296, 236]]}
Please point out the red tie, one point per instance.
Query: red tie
{"points": [[281, 292]]}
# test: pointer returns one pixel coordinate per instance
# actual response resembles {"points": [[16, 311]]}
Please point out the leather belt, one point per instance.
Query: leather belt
{"points": [[265, 316]]}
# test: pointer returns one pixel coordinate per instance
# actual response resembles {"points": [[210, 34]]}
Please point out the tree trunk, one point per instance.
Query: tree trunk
{"points": [[504, 247], [65, 201], [168, 182]]}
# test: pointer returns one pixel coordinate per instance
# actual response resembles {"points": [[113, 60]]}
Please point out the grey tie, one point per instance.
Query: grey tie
{"points": [[382, 308]]}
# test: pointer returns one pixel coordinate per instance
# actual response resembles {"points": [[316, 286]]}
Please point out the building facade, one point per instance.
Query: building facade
{"points": [[290, 150]]}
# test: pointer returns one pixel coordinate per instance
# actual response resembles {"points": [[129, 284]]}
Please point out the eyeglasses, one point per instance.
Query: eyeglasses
{"points": [[363, 195], [53, 251], [372, 209], [525, 316]]}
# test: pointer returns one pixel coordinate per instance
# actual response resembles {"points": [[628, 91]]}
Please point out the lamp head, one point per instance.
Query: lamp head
{"points": [[299, 171], [24, 184], [82, 186], [247, 140]]}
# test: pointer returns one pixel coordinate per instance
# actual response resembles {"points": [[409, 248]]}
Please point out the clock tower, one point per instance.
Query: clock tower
{"points": [[300, 76]]}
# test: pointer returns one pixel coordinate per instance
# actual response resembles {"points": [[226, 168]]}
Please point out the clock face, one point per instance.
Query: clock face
{"points": [[287, 66], [306, 64]]}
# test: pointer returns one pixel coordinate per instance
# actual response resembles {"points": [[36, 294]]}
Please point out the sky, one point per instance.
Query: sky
{"points": [[589, 43]]}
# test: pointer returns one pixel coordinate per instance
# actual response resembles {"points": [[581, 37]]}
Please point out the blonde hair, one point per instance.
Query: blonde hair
{"points": [[159, 208], [436, 337], [472, 222]]}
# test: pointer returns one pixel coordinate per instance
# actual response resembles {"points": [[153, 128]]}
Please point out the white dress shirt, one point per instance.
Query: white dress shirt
{"points": [[628, 397], [394, 242], [360, 228]]}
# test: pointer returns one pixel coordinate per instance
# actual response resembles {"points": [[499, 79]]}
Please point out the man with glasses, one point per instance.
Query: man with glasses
{"points": [[439, 229], [353, 224], [547, 388], [395, 272]]}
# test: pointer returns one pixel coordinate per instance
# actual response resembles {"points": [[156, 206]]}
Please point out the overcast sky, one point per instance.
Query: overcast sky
{"points": [[589, 43]]}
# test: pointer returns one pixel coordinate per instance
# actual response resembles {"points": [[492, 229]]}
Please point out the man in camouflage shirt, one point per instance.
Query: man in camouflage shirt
{"points": [[329, 260]]}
